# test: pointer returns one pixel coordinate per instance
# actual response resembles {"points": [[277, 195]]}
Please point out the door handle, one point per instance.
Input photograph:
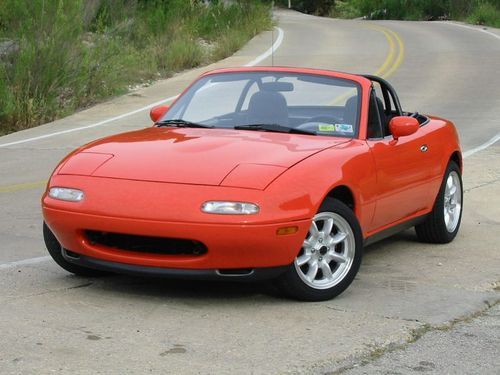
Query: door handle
{"points": [[424, 148]]}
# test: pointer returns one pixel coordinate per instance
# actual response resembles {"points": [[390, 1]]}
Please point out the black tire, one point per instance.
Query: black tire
{"points": [[293, 282], [55, 250], [434, 229]]}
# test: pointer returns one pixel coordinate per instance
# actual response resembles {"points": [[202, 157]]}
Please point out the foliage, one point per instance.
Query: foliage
{"points": [[318, 7], [486, 14], [477, 11], [60, 55]]}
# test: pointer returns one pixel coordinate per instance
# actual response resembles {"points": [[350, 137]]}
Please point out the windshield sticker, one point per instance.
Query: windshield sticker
{"points": [[326, 127], [345, 128]]}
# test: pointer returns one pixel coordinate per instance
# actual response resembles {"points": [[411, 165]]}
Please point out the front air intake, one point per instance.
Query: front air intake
{"points": [[146, 244]]}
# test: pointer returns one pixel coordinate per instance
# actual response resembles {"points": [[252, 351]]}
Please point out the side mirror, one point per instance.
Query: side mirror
{"points": [[401, 126], [157, 113]]}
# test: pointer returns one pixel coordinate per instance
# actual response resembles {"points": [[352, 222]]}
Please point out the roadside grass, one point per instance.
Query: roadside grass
{"points": [[57, 56]]}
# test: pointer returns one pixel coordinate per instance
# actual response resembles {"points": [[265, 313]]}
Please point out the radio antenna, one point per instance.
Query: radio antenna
{"points": [[272, 35], [272, 47]]}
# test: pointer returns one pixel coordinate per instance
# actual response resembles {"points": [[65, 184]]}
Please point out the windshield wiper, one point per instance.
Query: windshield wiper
{"points": [[181, 124], [274, 128]]}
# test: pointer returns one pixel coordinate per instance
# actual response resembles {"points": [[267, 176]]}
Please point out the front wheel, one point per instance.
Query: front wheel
{"points": [[330, 256]]}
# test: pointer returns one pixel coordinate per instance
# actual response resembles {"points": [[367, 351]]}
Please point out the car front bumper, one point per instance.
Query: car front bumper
{"points": [[230, 247]]}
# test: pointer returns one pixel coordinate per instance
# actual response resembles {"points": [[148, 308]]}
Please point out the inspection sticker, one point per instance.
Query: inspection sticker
{"points": [[345, 128], [326, 127]]}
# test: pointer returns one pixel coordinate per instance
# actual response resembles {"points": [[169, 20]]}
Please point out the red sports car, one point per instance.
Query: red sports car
{"points": [[258, 173]]}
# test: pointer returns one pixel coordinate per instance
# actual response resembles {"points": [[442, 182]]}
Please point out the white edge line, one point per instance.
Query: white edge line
{"points": [[6, 266], [482, 147], [25, 262], [480, 29], [260, 58], [88, 126], [271, 50], [496, 138]]}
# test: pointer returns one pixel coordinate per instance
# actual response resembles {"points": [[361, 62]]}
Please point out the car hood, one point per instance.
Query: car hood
{"points": [[196, 156]]}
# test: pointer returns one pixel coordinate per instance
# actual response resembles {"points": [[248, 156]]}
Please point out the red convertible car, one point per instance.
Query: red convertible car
{"points": [[258, 173]]}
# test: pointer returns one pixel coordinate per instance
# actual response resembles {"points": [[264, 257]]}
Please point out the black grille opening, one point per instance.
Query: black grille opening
{"points": [[146, 244]]}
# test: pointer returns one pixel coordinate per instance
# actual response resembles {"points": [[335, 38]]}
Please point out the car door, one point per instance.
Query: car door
{"points": [[405, 170]]}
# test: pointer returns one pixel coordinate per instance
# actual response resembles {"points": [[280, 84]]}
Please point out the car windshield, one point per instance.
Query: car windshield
{"points": [[270, 101]]}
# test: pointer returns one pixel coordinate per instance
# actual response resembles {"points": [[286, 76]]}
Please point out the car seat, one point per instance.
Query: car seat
{"points": [[268, 107]]}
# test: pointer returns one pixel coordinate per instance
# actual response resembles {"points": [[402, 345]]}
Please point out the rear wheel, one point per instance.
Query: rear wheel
{"points": [[443, 222], [55, 250], [330, 256]]}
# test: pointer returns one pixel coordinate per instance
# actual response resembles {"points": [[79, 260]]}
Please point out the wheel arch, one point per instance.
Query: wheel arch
{"points": [[457, 158], [344, 194]]}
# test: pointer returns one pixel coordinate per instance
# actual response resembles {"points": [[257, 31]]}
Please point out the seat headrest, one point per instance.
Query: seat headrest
{"points": [[268, 107]]}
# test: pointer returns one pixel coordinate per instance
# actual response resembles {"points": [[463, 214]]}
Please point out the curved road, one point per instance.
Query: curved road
{"points": [[446, 70], [53, 321]]}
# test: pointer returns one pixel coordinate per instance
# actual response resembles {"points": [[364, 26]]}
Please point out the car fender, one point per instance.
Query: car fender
{"points": [[309, 182], [448, 141]]}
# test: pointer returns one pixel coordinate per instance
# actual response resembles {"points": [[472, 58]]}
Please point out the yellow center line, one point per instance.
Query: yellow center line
{"points": [[392, 48], [24, 186], [401, 54], [391, 62]]}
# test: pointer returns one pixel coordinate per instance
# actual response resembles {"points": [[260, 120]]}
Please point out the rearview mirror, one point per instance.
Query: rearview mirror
{"points": [[277, 86], [402, 126], [157, 113]]}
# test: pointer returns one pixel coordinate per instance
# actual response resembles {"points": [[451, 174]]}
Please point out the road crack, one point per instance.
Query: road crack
{"points": [[487, 183], [414, 335]]}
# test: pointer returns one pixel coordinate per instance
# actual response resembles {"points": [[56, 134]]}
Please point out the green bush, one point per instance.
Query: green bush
{"points": [[486, 14], [69, 54]]}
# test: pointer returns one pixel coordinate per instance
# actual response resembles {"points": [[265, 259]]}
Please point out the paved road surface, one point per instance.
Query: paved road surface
{"points": [[54, 322], [467, 348]]}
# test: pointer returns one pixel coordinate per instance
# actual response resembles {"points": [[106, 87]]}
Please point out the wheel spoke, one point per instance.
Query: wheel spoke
{"points": [[449, 182], [313, 271], [338, 238], [314, 229], [336, 257], [307, 244], [328, 226], [303, 259], [325, 268], [452, 190]]}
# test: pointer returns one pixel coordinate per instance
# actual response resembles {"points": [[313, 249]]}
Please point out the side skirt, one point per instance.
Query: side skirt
{"points": [[393, 230]]}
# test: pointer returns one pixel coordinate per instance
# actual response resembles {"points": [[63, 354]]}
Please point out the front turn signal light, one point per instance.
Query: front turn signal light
{"points": [[287, 230], [229, 208]]}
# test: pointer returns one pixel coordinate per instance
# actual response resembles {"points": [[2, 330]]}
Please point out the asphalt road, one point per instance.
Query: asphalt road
{"points": [[470, 347], [405, 292]]}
